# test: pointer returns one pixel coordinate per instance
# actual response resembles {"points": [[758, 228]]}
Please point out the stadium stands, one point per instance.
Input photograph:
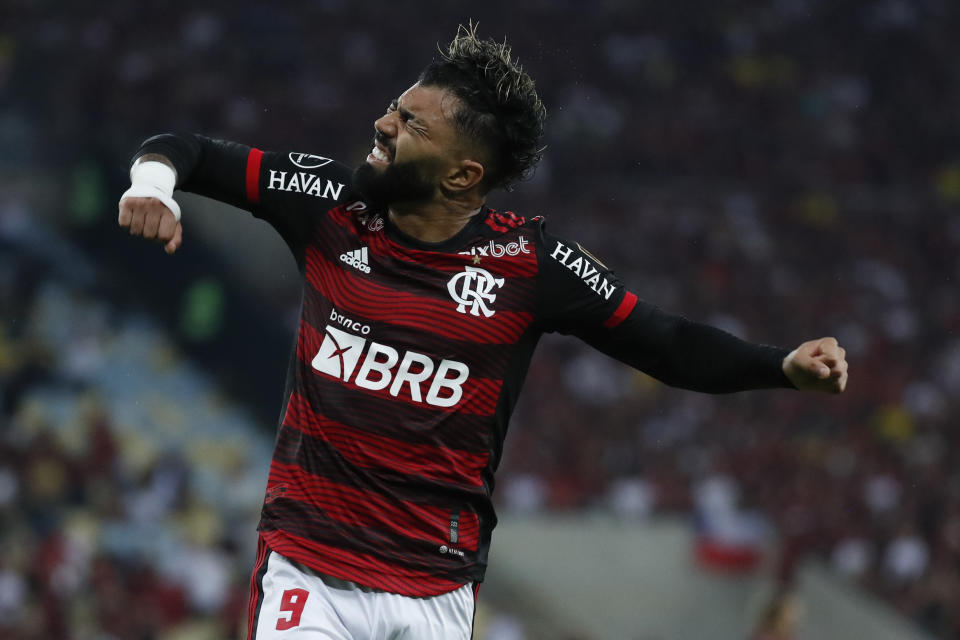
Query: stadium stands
{"points": [[783, 170]]}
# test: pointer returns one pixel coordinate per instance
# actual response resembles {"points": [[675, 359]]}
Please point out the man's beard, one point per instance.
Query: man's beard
{"points": [[396, 183]]}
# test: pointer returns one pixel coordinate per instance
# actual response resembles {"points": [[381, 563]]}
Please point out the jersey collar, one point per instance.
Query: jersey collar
{"points": [[450, 245]]}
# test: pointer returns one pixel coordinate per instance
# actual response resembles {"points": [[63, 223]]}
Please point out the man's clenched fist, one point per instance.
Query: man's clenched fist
{"points": [[817, 365], [151, 219]]}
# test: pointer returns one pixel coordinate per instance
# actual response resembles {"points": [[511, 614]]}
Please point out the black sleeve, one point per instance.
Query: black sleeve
{"points": [[291, 191], [578, 295]]}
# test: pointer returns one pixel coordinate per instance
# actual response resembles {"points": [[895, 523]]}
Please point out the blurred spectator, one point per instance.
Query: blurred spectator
{"points": [[632, 499], [779, 619], [906, 557]]}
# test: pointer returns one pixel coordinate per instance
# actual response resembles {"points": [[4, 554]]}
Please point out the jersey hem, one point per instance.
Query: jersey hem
{"points": [[399, 584]]}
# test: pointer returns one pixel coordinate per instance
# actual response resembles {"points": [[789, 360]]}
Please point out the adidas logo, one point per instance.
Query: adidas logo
{"points": [[356, 259]]}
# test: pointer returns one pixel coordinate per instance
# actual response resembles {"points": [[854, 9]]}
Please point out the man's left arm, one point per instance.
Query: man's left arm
{"points": [[696, 356], [579, 295]]}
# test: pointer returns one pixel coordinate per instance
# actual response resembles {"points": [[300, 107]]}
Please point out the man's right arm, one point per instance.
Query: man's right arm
{"points": [[208, 167], [281, 188]]}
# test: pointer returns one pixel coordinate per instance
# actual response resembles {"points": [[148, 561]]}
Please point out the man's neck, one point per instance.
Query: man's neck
{"points": [[433, 221]]}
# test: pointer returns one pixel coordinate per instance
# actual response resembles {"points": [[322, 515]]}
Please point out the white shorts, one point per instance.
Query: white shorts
{"points": [[289, 600]]}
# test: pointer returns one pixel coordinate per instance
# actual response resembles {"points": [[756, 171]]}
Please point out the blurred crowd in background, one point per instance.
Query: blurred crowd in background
{"points": [[128, 484], [783, 170]]}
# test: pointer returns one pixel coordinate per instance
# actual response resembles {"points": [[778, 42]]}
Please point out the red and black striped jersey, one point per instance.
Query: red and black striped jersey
{"points": [[409, 360]]}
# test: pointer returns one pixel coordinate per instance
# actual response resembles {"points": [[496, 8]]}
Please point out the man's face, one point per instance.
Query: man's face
{"points": [[415, 145]]}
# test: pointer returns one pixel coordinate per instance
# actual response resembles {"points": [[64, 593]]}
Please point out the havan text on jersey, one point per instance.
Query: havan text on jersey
{"points": [[304, 182], [581, 266], [383, 367]]}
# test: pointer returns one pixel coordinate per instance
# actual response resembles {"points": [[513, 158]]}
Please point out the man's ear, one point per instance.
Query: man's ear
{"points": [[467, 175]]}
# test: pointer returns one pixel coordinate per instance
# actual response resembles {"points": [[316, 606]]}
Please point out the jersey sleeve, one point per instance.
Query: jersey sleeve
{"points": [[578, 295], [289, 190]]}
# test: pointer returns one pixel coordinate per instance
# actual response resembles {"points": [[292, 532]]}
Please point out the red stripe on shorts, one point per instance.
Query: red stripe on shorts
{"points": [[626, 306], [253, 175], [255, 589]]}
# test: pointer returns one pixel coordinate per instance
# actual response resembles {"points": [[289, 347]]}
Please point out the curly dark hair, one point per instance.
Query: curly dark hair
{"points": [[499, 108]]}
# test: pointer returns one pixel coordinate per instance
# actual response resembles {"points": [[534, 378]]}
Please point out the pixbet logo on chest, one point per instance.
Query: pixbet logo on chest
{"points": [[383, 367], [498, 250]]}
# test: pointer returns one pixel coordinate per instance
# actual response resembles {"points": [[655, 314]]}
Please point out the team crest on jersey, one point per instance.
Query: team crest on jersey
{"points": [[472, 290]]}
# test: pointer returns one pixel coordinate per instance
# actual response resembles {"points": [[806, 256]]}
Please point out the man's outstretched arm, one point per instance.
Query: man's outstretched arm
{"points": [[696, 356], [289, 190], [580, 296]]}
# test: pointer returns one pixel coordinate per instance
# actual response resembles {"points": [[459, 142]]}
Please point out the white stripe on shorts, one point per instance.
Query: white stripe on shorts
{"points": [[300, 603]]}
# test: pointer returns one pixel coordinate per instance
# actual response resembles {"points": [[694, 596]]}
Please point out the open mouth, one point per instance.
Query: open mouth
{"points": [[378, 156]]}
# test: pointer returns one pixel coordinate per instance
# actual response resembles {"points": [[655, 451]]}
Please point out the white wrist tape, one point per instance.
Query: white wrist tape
{"points": [[153, 179]]}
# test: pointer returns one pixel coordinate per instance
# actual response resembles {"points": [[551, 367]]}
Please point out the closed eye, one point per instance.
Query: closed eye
{"points": [[408, 118]]}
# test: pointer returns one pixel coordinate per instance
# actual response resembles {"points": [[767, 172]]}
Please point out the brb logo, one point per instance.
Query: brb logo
{"points": [[383, 367], [473, 288]]}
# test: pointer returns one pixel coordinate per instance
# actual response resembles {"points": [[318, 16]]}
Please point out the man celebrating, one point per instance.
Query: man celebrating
{"points": [[421, 311]]}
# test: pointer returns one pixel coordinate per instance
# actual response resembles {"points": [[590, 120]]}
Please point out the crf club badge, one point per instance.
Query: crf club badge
{"points": [[472, 290]]}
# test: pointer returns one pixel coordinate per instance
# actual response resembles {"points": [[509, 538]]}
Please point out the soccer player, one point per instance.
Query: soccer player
{"points": [[421, 310]]}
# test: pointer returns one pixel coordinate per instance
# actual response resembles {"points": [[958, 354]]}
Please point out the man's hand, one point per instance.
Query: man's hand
{"points": [[817, 365], [151, 219]]}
